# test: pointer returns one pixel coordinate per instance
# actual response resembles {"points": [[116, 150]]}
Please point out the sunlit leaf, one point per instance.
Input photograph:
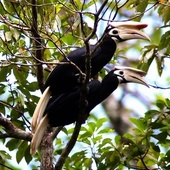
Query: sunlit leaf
{"points": [[4, 155], [138, 123]]}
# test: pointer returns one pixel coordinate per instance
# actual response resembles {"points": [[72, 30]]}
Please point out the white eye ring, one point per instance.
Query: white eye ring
{"points": [[119, 72]]}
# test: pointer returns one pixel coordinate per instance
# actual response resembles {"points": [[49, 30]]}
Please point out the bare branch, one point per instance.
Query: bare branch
{"points": [[14, 108], [56, 132], [3, 165], [13, 25], [13, 131], [69, 146], [38, 44], [159, 87]]}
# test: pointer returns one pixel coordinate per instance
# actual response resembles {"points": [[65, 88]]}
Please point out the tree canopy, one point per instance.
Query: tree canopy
{"points": [[34, 37]]}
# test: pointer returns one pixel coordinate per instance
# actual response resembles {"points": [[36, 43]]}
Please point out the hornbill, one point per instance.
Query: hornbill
{"points": [[66, 77], [64, 109]]}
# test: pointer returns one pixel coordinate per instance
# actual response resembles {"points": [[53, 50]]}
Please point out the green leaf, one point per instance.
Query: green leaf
{"points": [[13, 144], [5, 72], [28, 156], [151, 113], [164, 11], [91, 127], [147, 59], [160, 104], [141, 8], [20, 75], [21, 151], [167, 103], [155, 147], [161, 137], [105, 130], [106, 142], [118, 140], [4, 155], [100, 122], [47, 54], [128, 136], [2, 88], [33, 86], [138, 122], [2, 11], [164, 42], [8, 36], [96, 139]]}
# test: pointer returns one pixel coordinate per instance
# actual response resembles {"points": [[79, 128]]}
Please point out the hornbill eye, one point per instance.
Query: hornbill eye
{"points": [[121, 72], [115, 31]]}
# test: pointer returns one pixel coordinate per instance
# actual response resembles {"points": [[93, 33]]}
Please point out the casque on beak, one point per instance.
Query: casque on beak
{"points": [[133, 75], [130, 30]]}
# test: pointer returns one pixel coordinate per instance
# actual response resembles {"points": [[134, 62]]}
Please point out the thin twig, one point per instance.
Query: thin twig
{"points": [[159, 87], [68, 147], [15, 108], [6, 166], [56, 132]]}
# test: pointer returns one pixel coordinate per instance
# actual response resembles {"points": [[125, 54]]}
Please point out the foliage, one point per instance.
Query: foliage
{"points": [[34, 36]]}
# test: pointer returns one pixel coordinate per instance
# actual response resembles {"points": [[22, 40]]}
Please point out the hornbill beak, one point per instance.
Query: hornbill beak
{"points": [[127, 74], [130, 30]]}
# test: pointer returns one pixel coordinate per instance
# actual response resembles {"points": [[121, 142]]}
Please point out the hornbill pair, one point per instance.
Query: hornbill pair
{"points": [[59, 104]]}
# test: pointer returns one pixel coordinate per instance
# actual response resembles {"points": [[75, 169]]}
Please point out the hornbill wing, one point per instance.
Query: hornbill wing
{"points": [[61, 110], [64, 109], [66, 77], [67, 106]]}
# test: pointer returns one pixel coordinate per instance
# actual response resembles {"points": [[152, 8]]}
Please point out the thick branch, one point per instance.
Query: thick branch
{"points": [[46, 151], [13, 131]]}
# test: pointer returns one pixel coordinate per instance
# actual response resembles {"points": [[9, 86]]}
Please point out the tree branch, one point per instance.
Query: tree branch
{"points": [[83, 114], [68, 147], [13, 131], [38, 44]]}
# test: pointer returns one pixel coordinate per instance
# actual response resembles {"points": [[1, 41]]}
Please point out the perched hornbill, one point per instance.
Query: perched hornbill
{"points": [[64, 109], [66, 77]]}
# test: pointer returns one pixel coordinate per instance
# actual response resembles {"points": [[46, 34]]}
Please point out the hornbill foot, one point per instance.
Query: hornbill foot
{"points": [[84, 115], [81, 77]]}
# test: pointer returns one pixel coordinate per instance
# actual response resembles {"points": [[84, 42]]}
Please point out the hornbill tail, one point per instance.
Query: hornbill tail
{"points": [[40, 108], [37, 137]]}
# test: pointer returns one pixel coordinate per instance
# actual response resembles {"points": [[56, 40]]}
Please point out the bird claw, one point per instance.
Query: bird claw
{"points": [[81, 77]]}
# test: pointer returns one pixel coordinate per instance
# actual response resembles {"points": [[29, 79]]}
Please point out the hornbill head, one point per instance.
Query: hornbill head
{"points": [[121, 31], [127, 75]]}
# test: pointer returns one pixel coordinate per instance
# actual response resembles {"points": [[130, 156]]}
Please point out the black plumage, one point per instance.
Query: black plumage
{"points": [[65, 108], [65, 78]]}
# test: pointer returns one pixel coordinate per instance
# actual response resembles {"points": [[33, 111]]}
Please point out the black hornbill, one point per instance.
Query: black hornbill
{"points": [[66, 77], [64, 109]]}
